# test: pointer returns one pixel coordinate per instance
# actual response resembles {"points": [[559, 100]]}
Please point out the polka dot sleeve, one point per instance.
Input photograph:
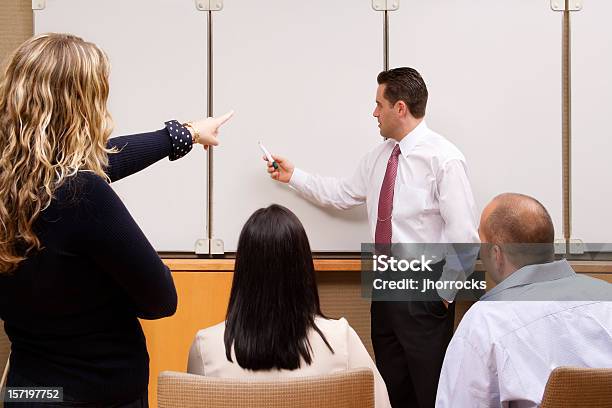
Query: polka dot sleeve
{"points": [[180, 138]]}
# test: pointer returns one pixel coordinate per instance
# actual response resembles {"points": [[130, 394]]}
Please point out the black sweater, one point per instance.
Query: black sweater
{"points": [[71, 309]]}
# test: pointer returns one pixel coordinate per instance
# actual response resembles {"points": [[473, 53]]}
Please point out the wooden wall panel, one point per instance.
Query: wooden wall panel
{"points": [[16, 25], [340, 296], [5, 347], [204, 287], [203, 298]]}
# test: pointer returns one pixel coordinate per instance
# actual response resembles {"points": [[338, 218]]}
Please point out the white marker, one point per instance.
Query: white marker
{"points": [[268, 156]]}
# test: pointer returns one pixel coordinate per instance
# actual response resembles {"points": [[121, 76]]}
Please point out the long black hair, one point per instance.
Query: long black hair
{"points": [[274, 298]]}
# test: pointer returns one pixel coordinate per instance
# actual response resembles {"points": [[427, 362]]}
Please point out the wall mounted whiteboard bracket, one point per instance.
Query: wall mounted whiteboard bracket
{"points": [[385, 5], [576, 247], [39, 4], [562, 5], [209, 247], [209, 5]]}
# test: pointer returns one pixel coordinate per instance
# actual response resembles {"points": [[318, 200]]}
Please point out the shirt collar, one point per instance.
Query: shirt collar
{"points": [[412, 139], [532, 274]]}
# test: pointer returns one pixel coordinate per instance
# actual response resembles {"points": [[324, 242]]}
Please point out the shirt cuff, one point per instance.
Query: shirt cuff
{"points": [[181, 139], [447, 295], [298, 179]]}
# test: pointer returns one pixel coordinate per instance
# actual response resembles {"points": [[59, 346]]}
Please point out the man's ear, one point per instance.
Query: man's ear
{"points": [[401, 108], [498, 257]]}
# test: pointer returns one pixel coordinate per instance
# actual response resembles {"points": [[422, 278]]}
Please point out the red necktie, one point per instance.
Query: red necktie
{"points": [[385, 200]]}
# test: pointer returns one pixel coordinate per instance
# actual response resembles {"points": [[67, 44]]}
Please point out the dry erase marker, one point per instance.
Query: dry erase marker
{"points": [[268, 156]]}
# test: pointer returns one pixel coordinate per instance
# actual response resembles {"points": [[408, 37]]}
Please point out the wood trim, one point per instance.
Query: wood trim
{"points": [[198, 265], [346, 265], [600, 267]]}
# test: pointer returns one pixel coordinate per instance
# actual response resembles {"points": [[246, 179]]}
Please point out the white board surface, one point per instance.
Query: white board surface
{"points": [[591, 124], [301, 77], [157, 50], [494, 77]]}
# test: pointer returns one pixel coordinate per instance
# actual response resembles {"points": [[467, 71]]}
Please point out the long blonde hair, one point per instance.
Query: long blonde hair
{"points": [[53, 123]]}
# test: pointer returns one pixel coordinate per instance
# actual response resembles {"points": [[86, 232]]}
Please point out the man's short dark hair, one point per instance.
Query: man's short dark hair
{"points": [[405, 84], [522, 227]]}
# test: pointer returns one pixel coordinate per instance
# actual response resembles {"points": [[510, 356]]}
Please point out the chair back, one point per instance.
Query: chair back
{"points": [[573, 387], [348, 389]]}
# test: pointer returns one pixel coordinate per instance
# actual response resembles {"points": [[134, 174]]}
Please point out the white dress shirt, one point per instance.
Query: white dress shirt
{"points": [[432, 202], [504, 350], [207, 357]]}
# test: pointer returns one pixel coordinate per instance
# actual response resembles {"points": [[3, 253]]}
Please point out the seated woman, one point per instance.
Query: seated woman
{"points": [[274, 326]]}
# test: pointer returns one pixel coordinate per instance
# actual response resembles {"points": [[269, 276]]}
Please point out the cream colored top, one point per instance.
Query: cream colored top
{"points": [[207, 356]]}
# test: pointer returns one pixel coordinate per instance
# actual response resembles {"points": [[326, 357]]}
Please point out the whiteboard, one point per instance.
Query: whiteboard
{"points": [[301, 76], [591, 126], [157, 50], [493, 70]]}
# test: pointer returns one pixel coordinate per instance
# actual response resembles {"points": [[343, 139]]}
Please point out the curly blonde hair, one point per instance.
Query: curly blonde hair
{"points": [[53, 123]]}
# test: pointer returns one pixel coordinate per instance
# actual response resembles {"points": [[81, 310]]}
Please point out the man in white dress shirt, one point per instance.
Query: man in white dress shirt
{"points": [[416, 190], [541, 315]]}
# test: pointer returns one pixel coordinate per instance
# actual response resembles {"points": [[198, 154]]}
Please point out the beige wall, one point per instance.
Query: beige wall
{"points": [[16, 24]]}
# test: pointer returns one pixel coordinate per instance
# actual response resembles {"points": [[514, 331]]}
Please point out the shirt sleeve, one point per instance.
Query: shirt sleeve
{"points": [[139, 151], [195, 363], [457, 205], [358, 357], [340, 193], [458, 209], [115, 243]]}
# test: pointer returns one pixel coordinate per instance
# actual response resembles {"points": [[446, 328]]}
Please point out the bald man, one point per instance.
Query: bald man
{"points": [[541, 315]]}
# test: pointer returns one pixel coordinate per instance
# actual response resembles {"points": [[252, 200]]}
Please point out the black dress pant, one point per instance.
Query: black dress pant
{"points": [[410, 339]]}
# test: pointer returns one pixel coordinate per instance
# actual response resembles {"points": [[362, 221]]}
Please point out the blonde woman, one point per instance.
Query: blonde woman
{"points": [[76, 272]]}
